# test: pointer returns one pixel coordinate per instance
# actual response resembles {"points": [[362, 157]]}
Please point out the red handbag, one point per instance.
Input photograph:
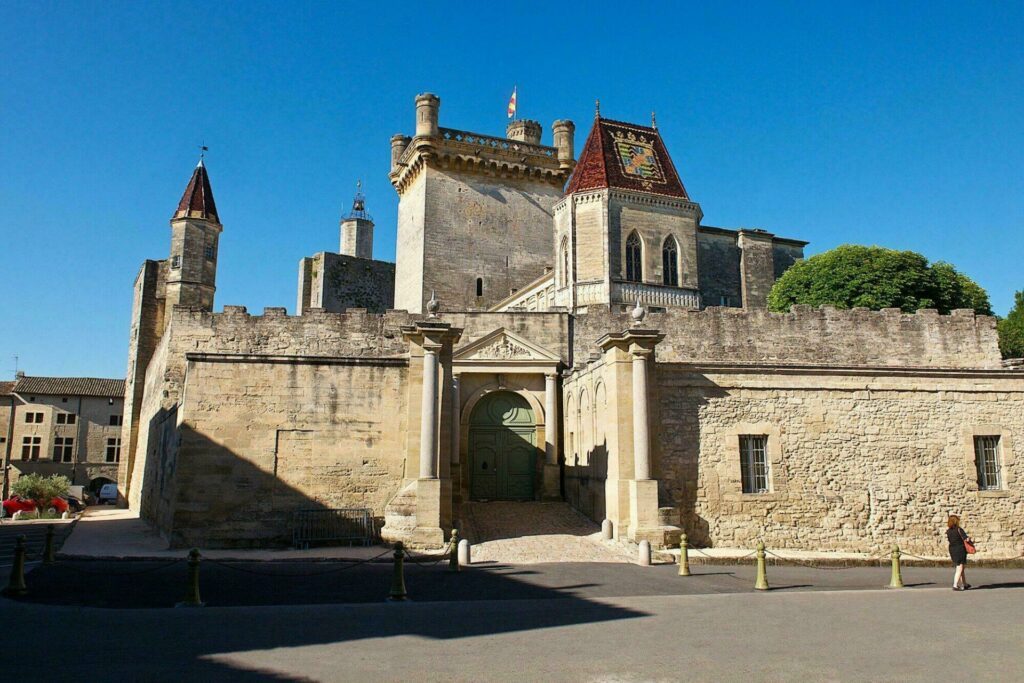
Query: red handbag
{"points": [[968, 544]]}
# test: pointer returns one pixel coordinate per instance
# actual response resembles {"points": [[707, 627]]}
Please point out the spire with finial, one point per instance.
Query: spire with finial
{"points": [[654, 120], [597, 109], [197, 201]]}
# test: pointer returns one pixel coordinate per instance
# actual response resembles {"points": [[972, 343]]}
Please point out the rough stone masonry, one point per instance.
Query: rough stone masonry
{"points": [[573, 333]]}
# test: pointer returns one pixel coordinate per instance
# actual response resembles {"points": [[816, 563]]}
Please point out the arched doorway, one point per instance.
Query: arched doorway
{"points": [[502, 448]]}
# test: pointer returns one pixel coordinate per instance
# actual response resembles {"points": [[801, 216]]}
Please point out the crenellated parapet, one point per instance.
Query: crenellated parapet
{"points": [[518, 156]]}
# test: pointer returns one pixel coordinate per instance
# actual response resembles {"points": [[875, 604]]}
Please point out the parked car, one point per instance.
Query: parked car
{"points": [[108, 494], [19, 504]]}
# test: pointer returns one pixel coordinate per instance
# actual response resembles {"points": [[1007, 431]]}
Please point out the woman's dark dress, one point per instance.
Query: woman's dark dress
{"points": [[957, 551]]}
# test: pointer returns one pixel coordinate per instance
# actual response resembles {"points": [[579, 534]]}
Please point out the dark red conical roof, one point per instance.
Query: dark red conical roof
{"points": [[197, 202], [625, 156]]}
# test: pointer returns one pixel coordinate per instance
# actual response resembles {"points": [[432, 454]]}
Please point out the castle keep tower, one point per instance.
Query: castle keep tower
{"points": [[474, 211], [357, 229], [195, 231]]}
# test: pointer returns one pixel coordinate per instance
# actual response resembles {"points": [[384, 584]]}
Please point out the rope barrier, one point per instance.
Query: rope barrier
{"points": [[421, 560], [107, 572]]}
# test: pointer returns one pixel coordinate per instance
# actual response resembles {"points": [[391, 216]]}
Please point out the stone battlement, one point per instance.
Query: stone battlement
{"points": [[809, 336]]}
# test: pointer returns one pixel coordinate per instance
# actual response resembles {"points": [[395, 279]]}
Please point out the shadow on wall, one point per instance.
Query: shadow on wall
{"points": [[201, 493], [585, 481]]}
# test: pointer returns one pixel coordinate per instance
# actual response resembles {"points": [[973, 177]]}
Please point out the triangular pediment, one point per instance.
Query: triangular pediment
{"points": [[505, 346]]}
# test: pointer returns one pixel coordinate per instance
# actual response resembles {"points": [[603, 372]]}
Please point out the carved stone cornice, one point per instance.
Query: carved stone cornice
{"points": [[477, 154]]}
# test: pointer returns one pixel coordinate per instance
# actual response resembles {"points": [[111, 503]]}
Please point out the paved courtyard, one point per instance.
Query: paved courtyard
{"points": [[529, 532]]}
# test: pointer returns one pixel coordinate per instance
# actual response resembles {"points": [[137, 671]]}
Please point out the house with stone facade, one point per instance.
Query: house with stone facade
{"points": [[558, 329], [61, 425]]}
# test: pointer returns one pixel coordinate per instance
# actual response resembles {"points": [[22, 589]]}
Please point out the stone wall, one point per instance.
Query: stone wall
{"points": [[147, 326], [858, 462], [824, 336], [718, 267], [262, 438], [495, 229], [336, 282]]}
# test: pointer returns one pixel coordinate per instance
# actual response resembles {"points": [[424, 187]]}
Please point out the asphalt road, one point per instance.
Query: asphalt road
{"points": [[154, 584], [787, 635]]}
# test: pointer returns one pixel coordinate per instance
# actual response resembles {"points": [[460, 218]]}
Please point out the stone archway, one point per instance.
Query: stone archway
{"points": [[502, 448]]}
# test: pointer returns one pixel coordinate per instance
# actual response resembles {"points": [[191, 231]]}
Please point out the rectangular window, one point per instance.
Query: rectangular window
{"points": [[62, 447], [66, 418], [116, 420], [33, 418], [986, 457], [175, 263], [114, 449], [30, 447], [754, 463], [209, 252]]}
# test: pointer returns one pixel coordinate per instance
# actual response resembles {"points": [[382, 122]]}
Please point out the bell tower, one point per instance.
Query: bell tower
{"points": [[195, 232]]}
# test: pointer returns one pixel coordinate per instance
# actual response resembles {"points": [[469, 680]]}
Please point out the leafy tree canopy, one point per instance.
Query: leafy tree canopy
{"points": [[874, 277], [41, 490], [1011, 329]]}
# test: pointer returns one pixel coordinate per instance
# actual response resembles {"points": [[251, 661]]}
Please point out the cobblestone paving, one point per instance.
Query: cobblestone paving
{"points": [[531, 532]]}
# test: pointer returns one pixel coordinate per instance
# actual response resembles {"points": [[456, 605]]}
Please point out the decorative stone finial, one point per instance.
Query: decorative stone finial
{"points": [[654, 120], [433, 306], [638, 314], [597, 109]]}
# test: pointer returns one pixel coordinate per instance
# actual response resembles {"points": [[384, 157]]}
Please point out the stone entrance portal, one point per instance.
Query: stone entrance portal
{"points": [[502, 448]]}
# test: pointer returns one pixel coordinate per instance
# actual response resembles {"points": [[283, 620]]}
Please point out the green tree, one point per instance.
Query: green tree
{"points": [[874, 277], [41, 490], [1011, 329]]}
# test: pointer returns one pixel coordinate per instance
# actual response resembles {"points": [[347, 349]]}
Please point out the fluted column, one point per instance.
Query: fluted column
{"points": [[641, 437], [428, 414], [551, 418]]}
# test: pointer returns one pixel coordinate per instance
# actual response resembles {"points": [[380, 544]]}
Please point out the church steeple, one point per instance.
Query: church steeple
{"points": [[195, 233]]}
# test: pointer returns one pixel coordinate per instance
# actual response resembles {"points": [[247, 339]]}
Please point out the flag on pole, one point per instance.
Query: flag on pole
{"points": [[512, 104]]}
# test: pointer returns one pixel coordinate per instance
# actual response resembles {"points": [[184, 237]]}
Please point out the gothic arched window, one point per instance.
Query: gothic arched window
{"points": [[565, 261], [670, 262], [634, 258]]}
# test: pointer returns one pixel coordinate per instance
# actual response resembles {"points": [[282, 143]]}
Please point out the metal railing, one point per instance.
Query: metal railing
{"points": [[354, 525]]}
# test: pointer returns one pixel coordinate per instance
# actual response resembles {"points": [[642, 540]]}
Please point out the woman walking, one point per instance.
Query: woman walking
{"points": [[958, 540]]}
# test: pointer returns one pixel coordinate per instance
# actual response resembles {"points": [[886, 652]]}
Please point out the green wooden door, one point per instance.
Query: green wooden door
{"points": [[503, 448]]}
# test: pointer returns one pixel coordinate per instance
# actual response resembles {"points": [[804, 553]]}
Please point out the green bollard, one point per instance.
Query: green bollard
{"points": [[398, 593], [16, 585], [762, 577], [897, 577], [684, 556], [48, 556], [192, 590], [453, 553]]}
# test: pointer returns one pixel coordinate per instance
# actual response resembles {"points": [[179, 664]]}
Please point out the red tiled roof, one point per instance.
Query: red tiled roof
{"points": [[6, 388], [197, 202], [626, 156], [70, 386]]}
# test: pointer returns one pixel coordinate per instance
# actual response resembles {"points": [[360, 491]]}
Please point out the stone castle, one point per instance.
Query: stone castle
{"points": [[558, 329]]}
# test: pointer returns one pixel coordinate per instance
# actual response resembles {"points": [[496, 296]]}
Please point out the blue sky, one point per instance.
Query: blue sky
{"points": [[897, 124]]}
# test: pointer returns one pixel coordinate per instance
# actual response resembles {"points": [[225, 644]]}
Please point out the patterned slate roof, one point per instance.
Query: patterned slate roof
{"points": [[70, 386], [626, 156], [197, 202]]}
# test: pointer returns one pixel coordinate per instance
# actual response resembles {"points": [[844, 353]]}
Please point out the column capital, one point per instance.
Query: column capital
{"points": [[431, 334], [634, 341]]}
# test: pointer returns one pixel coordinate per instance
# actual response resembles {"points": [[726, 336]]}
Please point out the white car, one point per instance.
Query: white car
{"points": [[108, 494]]}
